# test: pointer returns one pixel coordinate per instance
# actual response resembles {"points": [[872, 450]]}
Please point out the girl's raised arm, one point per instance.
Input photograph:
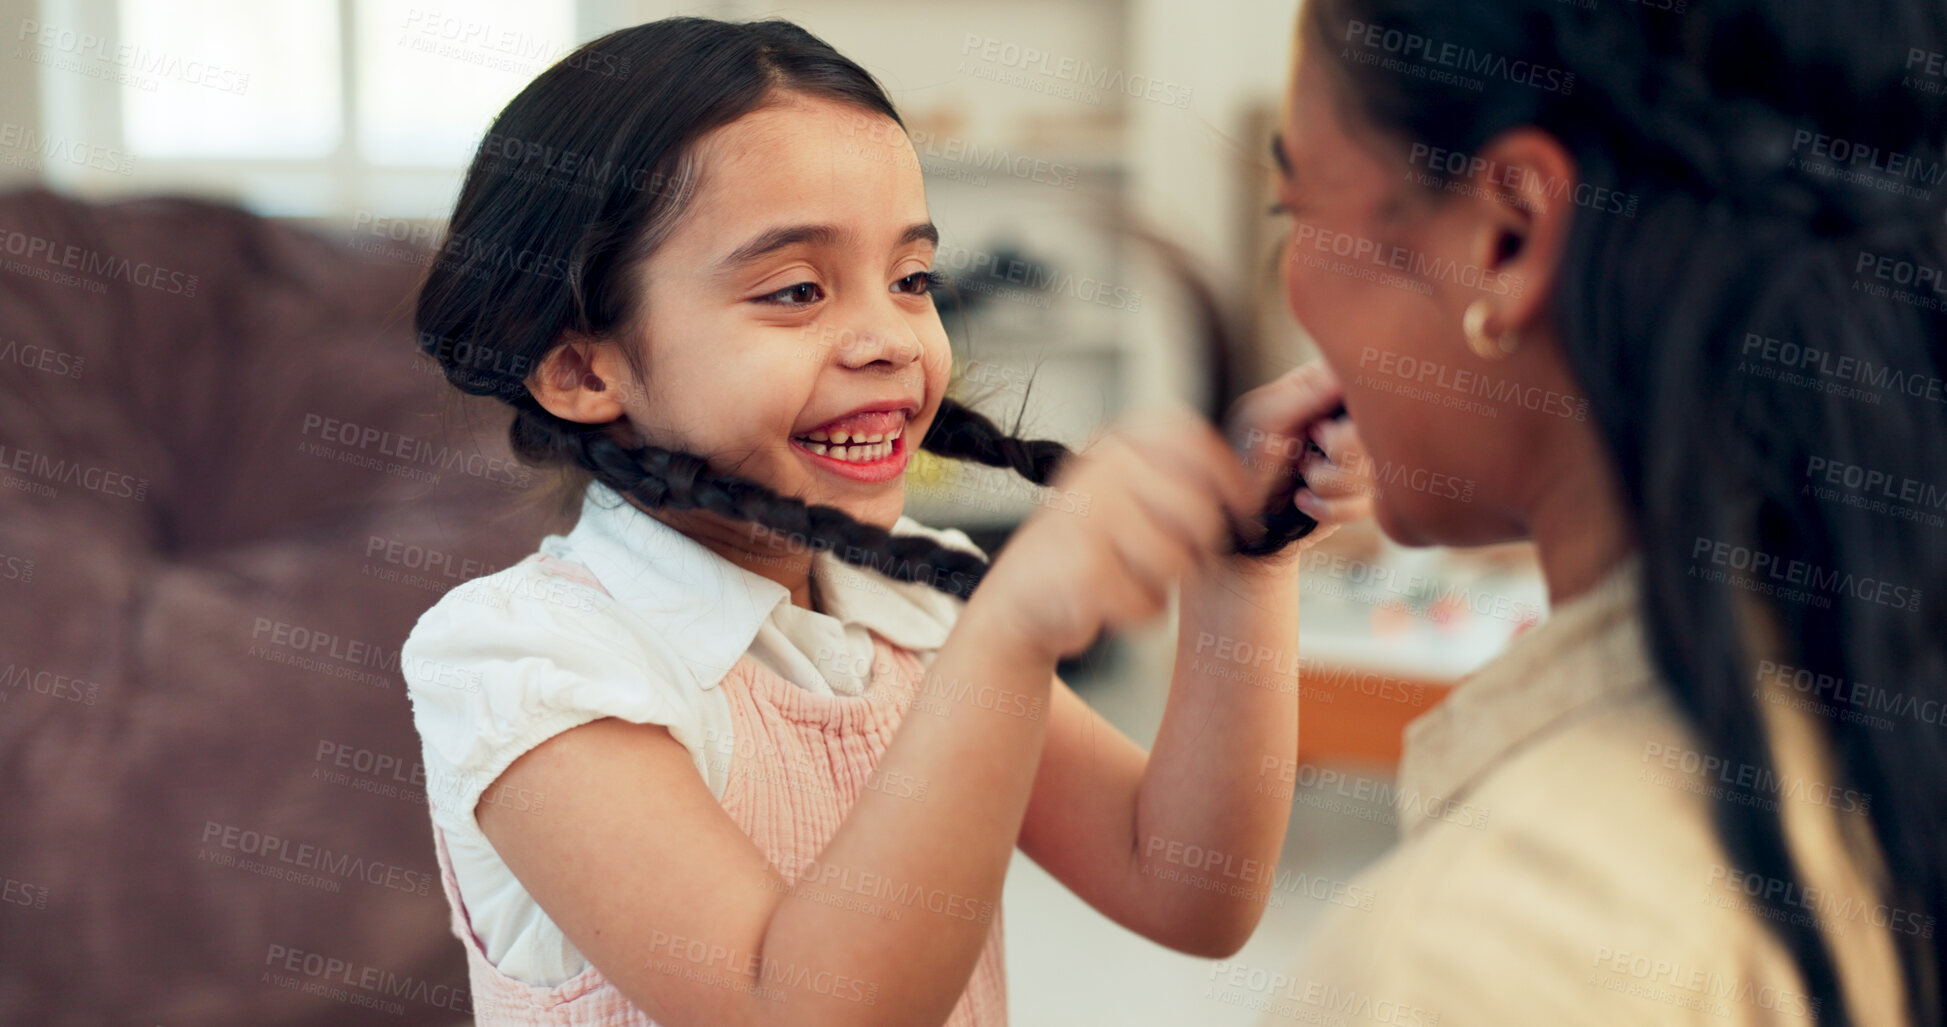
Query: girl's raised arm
{"points": [[644, 872]]}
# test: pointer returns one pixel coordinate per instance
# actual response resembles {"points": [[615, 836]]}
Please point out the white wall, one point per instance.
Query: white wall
{"points": [[20, 97]]}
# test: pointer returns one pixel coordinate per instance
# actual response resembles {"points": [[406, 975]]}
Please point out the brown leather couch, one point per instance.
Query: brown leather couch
{"points": [[229, 484]]}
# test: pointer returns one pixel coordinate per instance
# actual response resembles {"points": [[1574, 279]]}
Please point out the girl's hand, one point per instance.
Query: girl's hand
{"points": [[1272, 424], [1150, 499]]}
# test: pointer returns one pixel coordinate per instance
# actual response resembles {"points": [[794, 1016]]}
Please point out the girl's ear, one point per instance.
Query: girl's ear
{"points": [[581, 380]]}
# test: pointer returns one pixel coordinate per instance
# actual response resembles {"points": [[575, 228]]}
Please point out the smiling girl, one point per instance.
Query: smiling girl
{"points": [[748, 746]]}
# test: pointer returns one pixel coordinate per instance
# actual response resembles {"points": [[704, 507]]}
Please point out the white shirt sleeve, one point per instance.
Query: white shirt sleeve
{"points": [[496, 667], [505, 662]]}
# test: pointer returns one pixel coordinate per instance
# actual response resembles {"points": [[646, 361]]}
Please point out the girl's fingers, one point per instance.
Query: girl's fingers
{"points": [[1340, 441], [1330, 482], [1333, 511], [1196, 450], [1288, 403], [1193, 521], [1268, 424]]}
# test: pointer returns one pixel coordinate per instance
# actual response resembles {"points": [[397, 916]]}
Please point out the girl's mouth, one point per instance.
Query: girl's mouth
{"points": [[869, 457]]}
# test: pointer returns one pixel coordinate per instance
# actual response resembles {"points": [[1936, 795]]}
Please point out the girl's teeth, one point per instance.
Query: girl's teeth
{"points": [[862, 449], [858, 454]]}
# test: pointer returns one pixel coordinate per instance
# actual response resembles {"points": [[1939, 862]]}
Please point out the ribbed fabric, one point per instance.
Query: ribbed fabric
{"points": [[799, 762]]}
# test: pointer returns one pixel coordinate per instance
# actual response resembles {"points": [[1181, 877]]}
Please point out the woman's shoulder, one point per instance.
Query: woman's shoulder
{"points": [[1586, 865]]}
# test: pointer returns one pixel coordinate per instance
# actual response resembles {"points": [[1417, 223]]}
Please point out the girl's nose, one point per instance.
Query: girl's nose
{"points": [[888, 339]]}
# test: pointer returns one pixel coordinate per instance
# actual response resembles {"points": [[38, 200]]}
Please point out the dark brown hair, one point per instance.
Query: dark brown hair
{"points": [[578, 180], [1708, 120]]}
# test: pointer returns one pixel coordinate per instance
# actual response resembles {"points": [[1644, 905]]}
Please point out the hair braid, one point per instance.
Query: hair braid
{"points": [[961, 433], [673, 480]]}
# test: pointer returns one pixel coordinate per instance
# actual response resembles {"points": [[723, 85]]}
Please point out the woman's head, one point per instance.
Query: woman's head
{"points": [[1689, 226]]}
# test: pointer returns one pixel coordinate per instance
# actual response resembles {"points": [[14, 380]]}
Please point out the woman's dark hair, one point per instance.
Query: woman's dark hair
{"points": [[1756, 172], [576, 183]]}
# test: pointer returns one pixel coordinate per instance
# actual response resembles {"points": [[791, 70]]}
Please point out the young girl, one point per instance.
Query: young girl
{"points": [[688, 763]]}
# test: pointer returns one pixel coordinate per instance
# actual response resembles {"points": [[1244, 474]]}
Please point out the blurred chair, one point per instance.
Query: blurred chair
{"points": [[229, 484]]}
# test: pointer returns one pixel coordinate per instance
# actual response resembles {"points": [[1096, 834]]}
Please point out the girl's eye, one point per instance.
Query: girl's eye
{"points": [[918, 284], [801, 294]]}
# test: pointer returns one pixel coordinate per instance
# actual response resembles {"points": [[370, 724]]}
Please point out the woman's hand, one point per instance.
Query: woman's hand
{"points": [[1272, 425], [1150, 499]]}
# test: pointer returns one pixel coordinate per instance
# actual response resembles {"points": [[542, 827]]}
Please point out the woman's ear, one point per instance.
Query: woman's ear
{"points": [[581, 380], [1526, 179]]}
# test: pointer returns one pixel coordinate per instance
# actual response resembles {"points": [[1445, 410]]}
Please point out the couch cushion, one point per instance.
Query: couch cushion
{"points": [[229, 484]]}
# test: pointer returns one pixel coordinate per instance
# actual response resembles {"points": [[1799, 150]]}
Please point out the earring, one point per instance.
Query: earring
{"points": [[1474, 324]]}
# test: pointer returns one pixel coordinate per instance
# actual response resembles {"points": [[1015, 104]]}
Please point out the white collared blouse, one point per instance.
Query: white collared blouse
{"points": [[623, 617], [1559, 863]]}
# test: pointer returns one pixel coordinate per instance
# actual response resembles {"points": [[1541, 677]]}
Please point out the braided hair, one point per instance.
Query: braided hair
{"points": [[577, 181], [1742, 230]]}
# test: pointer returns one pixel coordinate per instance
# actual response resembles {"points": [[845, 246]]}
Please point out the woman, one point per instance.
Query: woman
{"points": [[1667, 285]]}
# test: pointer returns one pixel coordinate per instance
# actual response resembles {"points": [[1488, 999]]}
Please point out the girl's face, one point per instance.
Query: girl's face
{"points": [[790, 308], [1380, 273]]}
